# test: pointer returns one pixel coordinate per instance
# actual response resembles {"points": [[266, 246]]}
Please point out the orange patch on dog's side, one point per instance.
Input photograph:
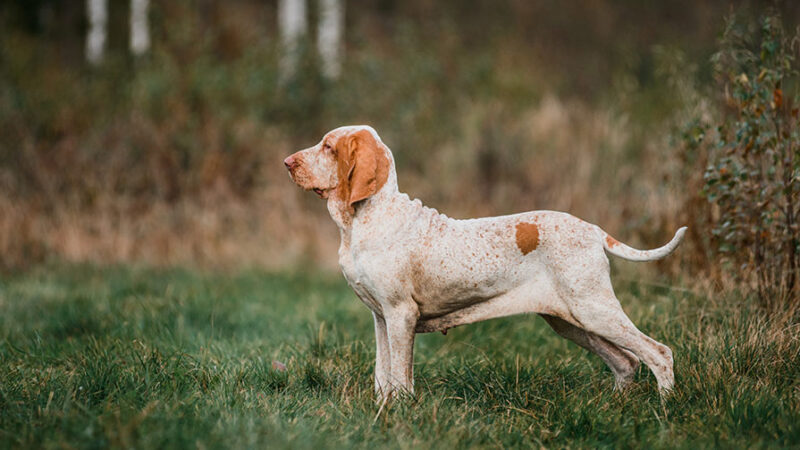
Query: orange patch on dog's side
{"points": [[527, 237], [611, 242]]}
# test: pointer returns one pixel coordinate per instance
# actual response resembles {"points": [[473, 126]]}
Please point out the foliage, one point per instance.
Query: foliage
{"points": [[132, 357], [753, 176], [175, 157]]}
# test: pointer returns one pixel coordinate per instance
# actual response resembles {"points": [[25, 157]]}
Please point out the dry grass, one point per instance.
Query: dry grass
{"points": [[175, 159], [557, 155]]}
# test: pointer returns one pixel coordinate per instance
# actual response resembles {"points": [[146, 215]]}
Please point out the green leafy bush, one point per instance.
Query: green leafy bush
{"points": [[753, 176]]}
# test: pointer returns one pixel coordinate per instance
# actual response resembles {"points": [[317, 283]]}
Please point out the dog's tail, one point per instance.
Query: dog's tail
{"points": [[617, 248]]}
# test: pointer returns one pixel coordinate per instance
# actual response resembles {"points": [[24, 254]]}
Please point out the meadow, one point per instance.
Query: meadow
{"points": [[130, 356], [155, 259]]}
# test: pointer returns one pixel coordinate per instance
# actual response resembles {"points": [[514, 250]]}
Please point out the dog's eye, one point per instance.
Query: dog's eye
{"points": [[328, 148]]}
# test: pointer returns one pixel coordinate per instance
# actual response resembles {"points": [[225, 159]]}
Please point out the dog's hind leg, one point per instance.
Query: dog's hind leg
{"points": [[585, 286], [605, 318], [621, 362]]}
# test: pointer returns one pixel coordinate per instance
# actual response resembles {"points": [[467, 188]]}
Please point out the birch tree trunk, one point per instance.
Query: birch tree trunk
{"points": [[292, 25], [329, 36], [97, 15], [140, 29]]}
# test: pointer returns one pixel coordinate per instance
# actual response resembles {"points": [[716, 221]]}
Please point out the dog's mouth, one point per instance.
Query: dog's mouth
{"points": [[321, 192]]}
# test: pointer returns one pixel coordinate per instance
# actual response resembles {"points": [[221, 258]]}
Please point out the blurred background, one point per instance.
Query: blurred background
{"points": [[154, 132]]}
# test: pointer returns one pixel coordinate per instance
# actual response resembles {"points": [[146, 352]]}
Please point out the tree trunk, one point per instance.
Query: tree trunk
{"points": [[97, 15], [292, 25], [140, 29], [329, 36]]}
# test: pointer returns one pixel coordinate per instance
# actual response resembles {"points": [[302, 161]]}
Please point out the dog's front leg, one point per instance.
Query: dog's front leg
{"points": [[383, 368], [401, 321]]}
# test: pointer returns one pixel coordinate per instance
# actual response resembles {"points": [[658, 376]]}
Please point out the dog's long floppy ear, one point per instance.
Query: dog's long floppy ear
{"points": [[363, 167]]}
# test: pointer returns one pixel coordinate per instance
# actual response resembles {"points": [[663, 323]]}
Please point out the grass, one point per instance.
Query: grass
{"points": [[134, 357]]}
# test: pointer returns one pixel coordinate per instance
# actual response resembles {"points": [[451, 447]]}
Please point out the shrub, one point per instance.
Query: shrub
{"points": [[752, 179]]}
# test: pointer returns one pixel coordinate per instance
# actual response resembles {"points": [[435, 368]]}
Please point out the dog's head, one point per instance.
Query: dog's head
{"points": [[349, 162]]}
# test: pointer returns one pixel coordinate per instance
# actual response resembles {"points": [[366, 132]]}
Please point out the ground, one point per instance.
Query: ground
{"points": [[152, 358]]}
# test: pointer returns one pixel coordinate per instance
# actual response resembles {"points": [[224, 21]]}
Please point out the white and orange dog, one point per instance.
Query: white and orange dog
{"points": [[420, 271]]}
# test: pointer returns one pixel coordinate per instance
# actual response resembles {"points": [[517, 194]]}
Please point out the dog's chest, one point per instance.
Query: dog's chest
{"points": [[359, 279]]}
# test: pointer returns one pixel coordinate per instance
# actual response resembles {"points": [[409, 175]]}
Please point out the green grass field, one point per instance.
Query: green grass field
{"points": [[145, 358]]}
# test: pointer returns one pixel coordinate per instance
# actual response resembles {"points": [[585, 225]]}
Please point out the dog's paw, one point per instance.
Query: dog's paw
{"points": [[391, 393]]}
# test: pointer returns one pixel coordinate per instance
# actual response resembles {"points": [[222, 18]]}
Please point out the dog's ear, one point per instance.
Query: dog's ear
{"points": [[363, 167]]}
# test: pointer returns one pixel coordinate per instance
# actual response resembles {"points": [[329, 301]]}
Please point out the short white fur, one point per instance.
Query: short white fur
{"points": [[420, 271]]}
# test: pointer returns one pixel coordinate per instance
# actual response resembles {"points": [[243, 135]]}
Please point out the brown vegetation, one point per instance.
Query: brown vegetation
{"points": [[176, 158]]}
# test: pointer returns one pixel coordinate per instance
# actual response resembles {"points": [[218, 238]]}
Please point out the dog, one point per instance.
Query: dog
{"points": [[420, 271]]}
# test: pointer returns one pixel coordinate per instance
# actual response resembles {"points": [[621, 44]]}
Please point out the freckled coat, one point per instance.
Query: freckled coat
{"points": [[421, 271]]}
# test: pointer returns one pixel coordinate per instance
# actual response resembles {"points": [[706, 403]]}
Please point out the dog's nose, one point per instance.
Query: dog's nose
{"points": [[290, 163]]}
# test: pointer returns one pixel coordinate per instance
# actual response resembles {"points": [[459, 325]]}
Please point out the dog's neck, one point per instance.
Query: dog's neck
{"points": [[346, 216], [385, 206]]}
